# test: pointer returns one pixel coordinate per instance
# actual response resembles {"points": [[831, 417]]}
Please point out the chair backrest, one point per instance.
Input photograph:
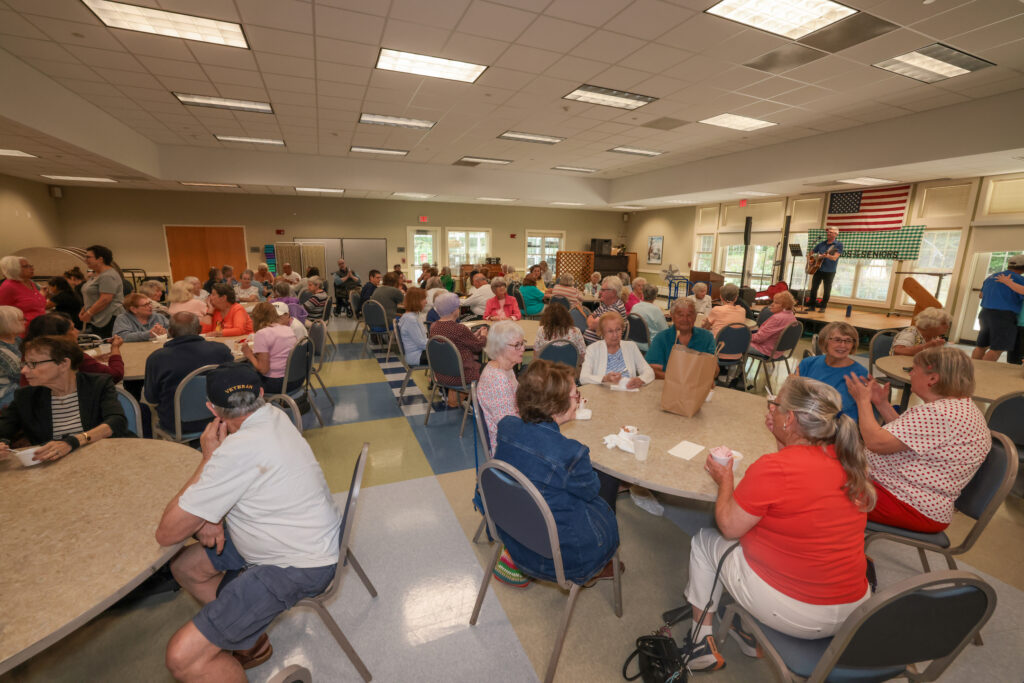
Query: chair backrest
{"points": [[1004, 415], [880, 345], [637, 329], [519, 300], [347, 516], [579, 319], [375, 316], [190, 399], [444, 358], [929, 617], [353, 302], [401, 344], [289, 406], [513, 504], [990, 484], [787, 341], [483, 434], [561, 301], [734, 339], [763, 315], [560, 351], [317, 334], [299, 366], [815, 346], [325, 315], [131, 409]]}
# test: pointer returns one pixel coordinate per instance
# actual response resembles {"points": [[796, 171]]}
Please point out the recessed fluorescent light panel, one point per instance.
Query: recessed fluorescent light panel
{"points": [[868, 181], [255, 141], [379, 150], [79, 179], [752, 193], [16, 153], [328, 190], [224, 103], [412, 195], [636, 151], [792, 19], [494, 199], [207, 184], [631, 207], [936, 62], [161, 23], [530, 137], [737, 122], [566, 203], [485, 160], [593, 94], [424, 65], [574, 169], [383, 120]]}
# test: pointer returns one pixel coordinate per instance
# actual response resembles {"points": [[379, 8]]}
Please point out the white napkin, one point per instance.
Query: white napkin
{"points": [[584, 413], [623, 385], [686, 450], [622, 440], [710, 394]]}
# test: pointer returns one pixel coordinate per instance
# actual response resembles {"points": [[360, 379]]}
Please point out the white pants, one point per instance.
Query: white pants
{"points": [[768, 605]]}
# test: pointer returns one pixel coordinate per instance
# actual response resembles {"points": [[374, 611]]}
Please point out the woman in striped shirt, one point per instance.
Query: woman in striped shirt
{"points": [[61, 409]]}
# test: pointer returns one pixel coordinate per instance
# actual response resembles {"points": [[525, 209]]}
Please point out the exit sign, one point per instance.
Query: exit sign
{"points": [[424, 219], [743, 202]]}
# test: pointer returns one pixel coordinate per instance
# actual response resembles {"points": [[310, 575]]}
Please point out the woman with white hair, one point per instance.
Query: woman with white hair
{"points": [[593, 288], [611, 300], [18, 290], [636, 294], [12, 327], [468, 342], [318, 298], [263, 277], [566, 288], [496, 390], [182, 298], [613, 359], [196, 285], [928, 330], [700, 298], [501, 306], [246, 291]]}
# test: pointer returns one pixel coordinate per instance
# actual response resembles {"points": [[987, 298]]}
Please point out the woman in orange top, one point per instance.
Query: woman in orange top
{"points": [[229, 318], [726, 314]]}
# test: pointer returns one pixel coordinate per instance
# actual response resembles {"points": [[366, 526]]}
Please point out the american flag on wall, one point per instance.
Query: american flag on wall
{"points": [[881, 208]]}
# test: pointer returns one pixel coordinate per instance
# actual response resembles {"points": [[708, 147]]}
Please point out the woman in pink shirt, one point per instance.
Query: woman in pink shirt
{"points": [[272, 342], [637, 295], [501, 306], [727, 313], [782, 317], [18, 290], [182, 299]]}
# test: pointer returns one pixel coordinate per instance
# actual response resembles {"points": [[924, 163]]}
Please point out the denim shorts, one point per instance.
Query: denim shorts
{"points": [[998, 329], [246, 605]]}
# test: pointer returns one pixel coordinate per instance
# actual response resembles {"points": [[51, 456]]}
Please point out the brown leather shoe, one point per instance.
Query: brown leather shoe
{"points": [[607, 573], [255, 655]]}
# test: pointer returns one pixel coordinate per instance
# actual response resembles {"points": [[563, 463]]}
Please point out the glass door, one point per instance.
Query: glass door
{"points": [[423, 247], [985, 264], [542, 246]]}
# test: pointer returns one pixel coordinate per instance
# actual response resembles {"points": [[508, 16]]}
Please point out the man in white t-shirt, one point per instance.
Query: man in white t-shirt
{"points": [[267, 528], [289, 275], [481, 292]]}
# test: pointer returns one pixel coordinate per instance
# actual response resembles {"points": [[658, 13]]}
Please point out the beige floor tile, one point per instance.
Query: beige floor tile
{"points": [[347, 372], [395, 454]]}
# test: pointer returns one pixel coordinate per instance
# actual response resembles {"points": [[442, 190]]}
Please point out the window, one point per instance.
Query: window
{"points": [[761, 261], [543, 246], [938, 255], [762, 267], [705, 253], [423, 248], [732, 263], [467, 247]]}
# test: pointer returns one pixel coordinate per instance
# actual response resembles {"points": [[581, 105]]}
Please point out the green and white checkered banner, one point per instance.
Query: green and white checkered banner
{"points": [[889, 245]]}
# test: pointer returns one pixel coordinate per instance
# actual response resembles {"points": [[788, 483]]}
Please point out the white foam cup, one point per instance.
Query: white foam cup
{"points": [[25, 456], [641, 446]]}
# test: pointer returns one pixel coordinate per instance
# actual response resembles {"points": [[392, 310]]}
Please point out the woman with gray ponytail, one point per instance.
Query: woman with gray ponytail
{"points": [[792, 531]]}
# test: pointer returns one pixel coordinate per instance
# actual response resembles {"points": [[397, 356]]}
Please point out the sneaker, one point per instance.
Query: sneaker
{"points": [[746, 641], [508, 573], [704, 656]]}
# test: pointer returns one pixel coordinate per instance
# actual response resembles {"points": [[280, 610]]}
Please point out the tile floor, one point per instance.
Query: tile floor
{"points": [[413, 537]]}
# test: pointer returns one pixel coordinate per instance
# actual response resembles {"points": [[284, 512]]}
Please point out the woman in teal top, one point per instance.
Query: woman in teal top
{"points": [[533, 298], [837, 340]]}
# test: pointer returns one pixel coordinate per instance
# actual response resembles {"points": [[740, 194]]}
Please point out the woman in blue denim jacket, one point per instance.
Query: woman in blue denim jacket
{"points": [[560, 469]]}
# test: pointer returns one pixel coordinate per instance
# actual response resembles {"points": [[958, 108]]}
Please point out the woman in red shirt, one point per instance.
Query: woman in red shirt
{"points": [[501, 306], [798, 516], [229, 318], [18, 290]]}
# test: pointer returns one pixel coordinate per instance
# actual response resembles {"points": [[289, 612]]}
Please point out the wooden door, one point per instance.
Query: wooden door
{"points": [[193, 250]]}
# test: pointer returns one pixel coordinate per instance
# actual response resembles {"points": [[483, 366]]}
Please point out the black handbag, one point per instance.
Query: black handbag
{"points": [[658, 660]]}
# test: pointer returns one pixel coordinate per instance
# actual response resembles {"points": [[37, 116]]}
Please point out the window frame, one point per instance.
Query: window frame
{"points": [[447, 249], [560, 234], [697, 252]]}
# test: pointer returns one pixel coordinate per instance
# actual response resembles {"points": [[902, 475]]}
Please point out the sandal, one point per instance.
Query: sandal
{"points": [[255, 655]]}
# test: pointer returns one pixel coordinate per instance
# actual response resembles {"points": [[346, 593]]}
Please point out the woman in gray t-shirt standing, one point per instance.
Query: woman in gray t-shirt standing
{"points": [[103, 295]]}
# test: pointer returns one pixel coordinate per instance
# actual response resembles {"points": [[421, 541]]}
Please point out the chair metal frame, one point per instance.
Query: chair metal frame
{"points": [[741, 362], [484, 438], [765, 360], [318, 328], [288, 405], [871, 608], [464, 386], [158, 431], [302, 346], [353, 302], [409, 369], [873, 355], [558, 344], [135, 419], [372, 329], [528, 487]]}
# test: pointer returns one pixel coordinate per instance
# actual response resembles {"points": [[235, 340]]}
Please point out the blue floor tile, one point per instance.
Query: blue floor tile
{"points": [[348, 351], [354, 403], [440, 441]]}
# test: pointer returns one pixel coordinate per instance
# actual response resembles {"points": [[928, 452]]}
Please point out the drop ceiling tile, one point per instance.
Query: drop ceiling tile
{"points": [[222, 55], [499, 22], [744, 46], [661, 86], [765, 109], [342, 73], [550, 33], [738, 77], [292, 97], [29, 49], [106, 58], [287, 66], [820, 69], [149, 96], [120, 77], [906, 13], [388, 96], [243, 92], [620, 78], [698, 68], [67, 70], [993, 35], [345, 52], [605, 46], [770, 87], [14, 25], [336, 104], [968, 17], [89, 87], [886, 46], [289, 83], [648, 19], [344, 25], [589, 12], [575, 68], [409, 37], [989, 89], [224, 76], [439, 14], [273, 41], [287, 15], [474, 49], [528, 59], [509, 79], [1010, 55], [333, 89], [801, 95], [655, 58], [189, 85], [171, 67], [933, 101], [71, 33]]}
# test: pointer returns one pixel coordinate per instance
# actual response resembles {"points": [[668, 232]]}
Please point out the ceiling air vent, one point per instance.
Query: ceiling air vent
{"points": [[665, 123]]}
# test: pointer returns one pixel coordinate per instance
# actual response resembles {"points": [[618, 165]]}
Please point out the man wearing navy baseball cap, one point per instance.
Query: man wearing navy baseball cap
{"points": [[259, 505]]}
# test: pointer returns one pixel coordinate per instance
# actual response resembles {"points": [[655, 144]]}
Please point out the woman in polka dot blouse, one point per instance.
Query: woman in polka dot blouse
{"points": [[920, 460]]}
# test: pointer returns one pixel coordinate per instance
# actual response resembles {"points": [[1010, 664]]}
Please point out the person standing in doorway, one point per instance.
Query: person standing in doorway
{"points": [[1002, 294], [829, 249]]}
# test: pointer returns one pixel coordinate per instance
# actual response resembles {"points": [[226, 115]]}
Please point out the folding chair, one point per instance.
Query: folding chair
{"points": [[189, 405], [484, 439], [561, 301], [579, 319], [514, 504], [353, 302], [409, 369], [289, 406], [785, 344], [763, 315], [926, 618], [880, 345], [377, 324], [297, 372], [560, 351], [443, 358], [131, 408], [1004, 415], [733, 339], [636, 329], [318, 337]]}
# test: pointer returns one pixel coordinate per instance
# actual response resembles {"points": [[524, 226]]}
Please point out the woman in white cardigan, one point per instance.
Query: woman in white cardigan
{"points": [[612, 359]]}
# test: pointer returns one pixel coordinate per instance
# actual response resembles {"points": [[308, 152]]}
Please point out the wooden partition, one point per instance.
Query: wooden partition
{"points": [[579, 264], [193, 250]]}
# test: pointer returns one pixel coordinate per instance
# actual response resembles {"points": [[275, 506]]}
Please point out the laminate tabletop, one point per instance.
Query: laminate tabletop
{"points": [[991, 379]]}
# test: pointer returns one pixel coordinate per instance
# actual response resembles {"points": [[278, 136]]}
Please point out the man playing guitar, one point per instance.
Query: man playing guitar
{"points": [[821, 263]]}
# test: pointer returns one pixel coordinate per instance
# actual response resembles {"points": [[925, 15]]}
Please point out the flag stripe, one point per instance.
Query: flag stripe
{"points": [[874, 209]]}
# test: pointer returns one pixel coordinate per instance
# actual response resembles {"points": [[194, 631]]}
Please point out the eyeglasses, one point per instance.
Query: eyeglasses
{"points": [[842, 340], [518, 345], [31, 364]]}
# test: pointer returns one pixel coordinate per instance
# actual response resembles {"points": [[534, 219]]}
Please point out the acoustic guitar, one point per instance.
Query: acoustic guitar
{"points": [[814, 261]]}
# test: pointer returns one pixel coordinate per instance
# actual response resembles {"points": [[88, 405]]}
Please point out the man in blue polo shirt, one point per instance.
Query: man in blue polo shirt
{"points": [[830, 249], [684, 315], [1002, 295]]}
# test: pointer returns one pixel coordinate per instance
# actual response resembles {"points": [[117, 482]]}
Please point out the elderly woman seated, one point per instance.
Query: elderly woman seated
{"points": [[928, 330], [196, 286], [59, 325], [593, 288], [636, 294], [62, 409], [611, 300], [653, 315], [496, 390], [247, 291], [612, 360], [556, 324], [155, 289], [12, 327], [682, 333], [501, 306], [533, 296], [837, 342], [581, 499], [566, 288], [468, 342], [317, 300], [790, 536], [921, 460], [782, 316], [726, 314], [283, 293], [272, 342], [410, 326], [139, 322], [700, 298], [182, 298]]}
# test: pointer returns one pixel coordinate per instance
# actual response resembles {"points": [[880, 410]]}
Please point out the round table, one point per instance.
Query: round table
{"points": [[529, 328], [78, 536], [731, 418], [134, 354], [991, 379]]}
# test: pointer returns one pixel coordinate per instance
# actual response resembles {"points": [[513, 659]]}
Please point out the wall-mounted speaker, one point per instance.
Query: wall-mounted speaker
{"points": [[56, 192]]}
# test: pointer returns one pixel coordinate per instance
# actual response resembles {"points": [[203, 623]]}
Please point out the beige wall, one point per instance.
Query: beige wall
{"points": [[676, 226], [131, 221], [28, 216]]}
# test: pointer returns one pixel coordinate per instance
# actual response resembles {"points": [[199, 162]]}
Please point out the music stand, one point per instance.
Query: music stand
{"points": [[796, 252]]}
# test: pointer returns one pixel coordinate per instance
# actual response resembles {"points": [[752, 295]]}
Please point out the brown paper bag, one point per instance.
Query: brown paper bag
{"points": [[689, 377]]}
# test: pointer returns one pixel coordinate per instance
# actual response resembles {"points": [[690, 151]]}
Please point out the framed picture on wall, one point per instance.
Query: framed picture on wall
{"points": [[654, 245]]}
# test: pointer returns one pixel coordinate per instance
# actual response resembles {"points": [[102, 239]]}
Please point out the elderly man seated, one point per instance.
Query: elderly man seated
{"points": [[184, 352], [139, 322], [480, 295], [259, 504], [700, 298], [684, 315], [611, 300]]}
